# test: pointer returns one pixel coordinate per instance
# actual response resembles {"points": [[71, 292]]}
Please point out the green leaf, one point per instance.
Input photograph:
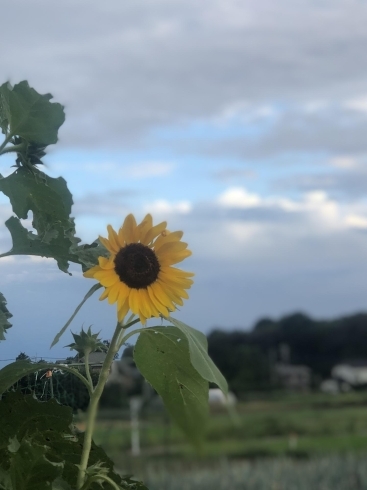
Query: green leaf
{"points": [[200, 359], [49, 426], [30, 469], [60, 484], [62, 249], [28, 114], [5, 481], [162, 356], [87, 342], [14, 371], [92, 290], [4, 315], [48, 198]]}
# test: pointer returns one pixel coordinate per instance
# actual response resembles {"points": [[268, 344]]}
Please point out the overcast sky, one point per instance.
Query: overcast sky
{"points": [[241, 122]]}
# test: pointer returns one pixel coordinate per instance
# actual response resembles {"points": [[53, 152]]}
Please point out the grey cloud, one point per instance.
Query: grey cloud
{"points": [[228, 174], [334, 131], [124, 68], [346, 184], [115, 202]]}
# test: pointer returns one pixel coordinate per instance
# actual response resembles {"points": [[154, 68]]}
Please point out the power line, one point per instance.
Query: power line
{"points": [[33, 357]]}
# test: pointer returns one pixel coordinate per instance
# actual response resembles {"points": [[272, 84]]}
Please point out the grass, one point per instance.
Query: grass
{"points": [[328, 473], [289, 442], [289, 425]]}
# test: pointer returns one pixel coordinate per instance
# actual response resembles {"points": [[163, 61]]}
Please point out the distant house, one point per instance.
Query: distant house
{"points": [[217, 399], [96, 360], [124, 372], [292, 377], [353, 373]]}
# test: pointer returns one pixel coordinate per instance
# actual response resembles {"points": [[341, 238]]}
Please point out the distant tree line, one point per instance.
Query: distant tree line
{"points": [[246, 358]]}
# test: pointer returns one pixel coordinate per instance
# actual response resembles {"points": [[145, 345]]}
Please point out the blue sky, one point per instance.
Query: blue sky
{"points": [[242, 123]]}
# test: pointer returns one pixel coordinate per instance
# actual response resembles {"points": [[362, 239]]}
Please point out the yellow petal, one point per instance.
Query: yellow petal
{"points": [[144, 226], [175, 298], [124, 292], [174, 272], [160, 308], [104, 295], [134, 301], [174, 258], [106, 263], [170, 248], [121, 237], [143, 303], [176, 281], [107, 278], [106, 243], [174, 291], [167, 238], [161, 295], [153, 232], [142, 318], [113, 239], [152, 310], [113, 294], [128, 228], [122, 311], [90, 272]]}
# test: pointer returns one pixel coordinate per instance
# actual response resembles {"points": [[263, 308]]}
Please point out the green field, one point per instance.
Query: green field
{"points": [[282, 434]]}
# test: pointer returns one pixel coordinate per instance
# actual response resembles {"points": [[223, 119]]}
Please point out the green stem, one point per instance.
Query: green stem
{"points": [[130, 334], [5, 142], [101, 477], [87, 371], [14, 148], [122, 338], [93, 405]]}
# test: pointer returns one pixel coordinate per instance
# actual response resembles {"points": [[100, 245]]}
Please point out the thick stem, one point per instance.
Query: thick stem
{"points": [[87, 371], [93, 405]]}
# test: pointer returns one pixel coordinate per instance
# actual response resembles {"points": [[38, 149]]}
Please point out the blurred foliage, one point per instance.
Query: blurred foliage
{"points": [[245, 357]]}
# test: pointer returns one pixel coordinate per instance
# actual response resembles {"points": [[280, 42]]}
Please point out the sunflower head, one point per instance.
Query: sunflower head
{"points": [[138, 275]]}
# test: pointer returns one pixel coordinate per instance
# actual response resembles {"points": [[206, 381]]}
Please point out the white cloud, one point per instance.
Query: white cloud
{"points": [[344, 162], [358, 104], [149, 169], [161, 207], [356, 221], [238, 197]]}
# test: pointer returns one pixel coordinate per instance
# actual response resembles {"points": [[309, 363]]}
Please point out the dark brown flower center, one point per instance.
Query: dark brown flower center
{"points": [[137, 265]]}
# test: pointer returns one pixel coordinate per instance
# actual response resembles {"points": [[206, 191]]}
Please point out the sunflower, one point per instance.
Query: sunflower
{"points": [[138, 275]]}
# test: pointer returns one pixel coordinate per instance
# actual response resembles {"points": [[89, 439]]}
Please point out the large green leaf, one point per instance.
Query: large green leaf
{"points": [[49, 426], [63, 249], [28, 114], [4, 316], [48, 198], [199, 356], [27, 243], [14, 371], [5, 481], [162, 356], [30, 469]]}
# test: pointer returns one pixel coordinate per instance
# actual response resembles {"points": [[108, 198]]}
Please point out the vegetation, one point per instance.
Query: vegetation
{"points": [[327, 473], [300, 426], [246, 357]]}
